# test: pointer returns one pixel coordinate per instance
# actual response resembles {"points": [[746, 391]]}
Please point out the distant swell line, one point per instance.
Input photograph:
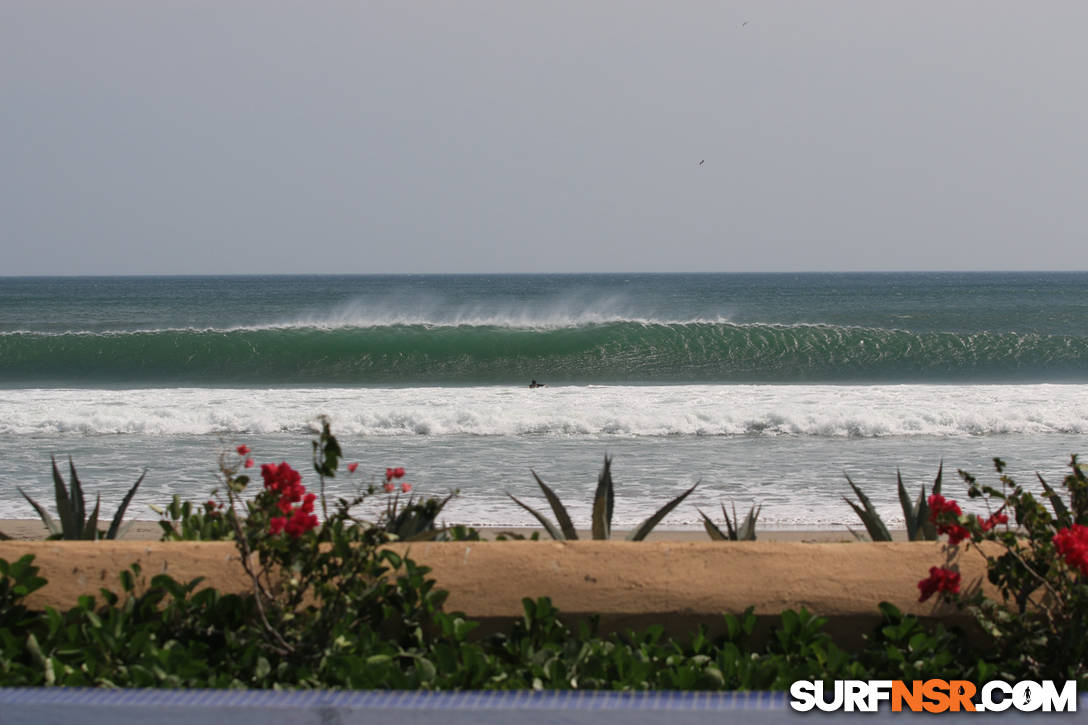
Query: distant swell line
{"points": [[618, 351]]}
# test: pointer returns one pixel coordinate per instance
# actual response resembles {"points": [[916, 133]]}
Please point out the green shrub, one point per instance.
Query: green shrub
{"points": [[162, 633], [1039, 626], [603, 503], [186, 521]]}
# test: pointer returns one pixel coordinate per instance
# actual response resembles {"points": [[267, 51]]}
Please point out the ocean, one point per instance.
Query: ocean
{"points": [[766, 389]]}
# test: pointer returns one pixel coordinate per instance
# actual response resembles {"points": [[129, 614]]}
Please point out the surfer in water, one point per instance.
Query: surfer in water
{"points": [[535, 384]]}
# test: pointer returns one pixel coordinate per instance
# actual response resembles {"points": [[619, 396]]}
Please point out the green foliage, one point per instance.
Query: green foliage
{"points": [[920, 527], [186, 521], [332, 606], [326, 455], [164, 633], [414, 520], [868, 514], [75, 524], [458, 532], [1039, 626], [903, 649], [17, 580], [734, 529], [916, 516], [603, 504]]}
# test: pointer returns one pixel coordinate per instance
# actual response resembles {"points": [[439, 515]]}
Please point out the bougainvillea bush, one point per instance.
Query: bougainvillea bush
{"points": [[318, 585], [1036, 551]]}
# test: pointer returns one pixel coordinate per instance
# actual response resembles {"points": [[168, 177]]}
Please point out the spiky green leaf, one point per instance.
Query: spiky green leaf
{"points": [[712, 529], [50, 524], [729, 522], [747, 532], [560, 511], [548, 525], [603, 501], [868, 515], [927, 530], [1061, 511], [90, 529], [644, 529], [69, 527], [114, 531], [79, 503], [910, 512]]}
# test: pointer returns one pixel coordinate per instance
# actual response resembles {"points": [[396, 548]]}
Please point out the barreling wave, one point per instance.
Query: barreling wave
{"points": [[617, 351]]}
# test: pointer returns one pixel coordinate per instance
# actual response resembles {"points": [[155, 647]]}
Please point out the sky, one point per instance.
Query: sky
{"points": [[450, 136]]}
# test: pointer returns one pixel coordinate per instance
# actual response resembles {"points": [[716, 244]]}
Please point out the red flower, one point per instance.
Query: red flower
{"points": [[279, 477], [940, 580], [249, 463], [398, 473], [287, 482], [939, 505], [1072, 544], [942, 508], [352, 467], [242, 449], [389, 488], [998, 518], [406, 487], [956, 533], [300, 522], [295, 521]]}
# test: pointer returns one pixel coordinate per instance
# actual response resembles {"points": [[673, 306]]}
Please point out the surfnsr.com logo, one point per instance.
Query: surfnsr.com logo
{"points": [[933, 696]]}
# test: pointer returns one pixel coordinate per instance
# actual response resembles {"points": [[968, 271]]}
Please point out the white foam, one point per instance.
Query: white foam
{"points": [[369, 322], [572, 310], [628, 411]]}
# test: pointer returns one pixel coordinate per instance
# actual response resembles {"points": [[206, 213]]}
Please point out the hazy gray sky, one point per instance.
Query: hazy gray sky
{"points": [[466, 136]]}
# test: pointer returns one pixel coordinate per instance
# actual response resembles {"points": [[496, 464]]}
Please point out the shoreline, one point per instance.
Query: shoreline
{"points": [[148, 530]]}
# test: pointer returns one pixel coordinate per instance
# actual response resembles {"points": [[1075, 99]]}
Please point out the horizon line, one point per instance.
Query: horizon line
{"points": [[178, 275]]}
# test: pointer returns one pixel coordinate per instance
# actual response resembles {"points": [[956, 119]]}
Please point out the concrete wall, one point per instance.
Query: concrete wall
{"points": [[675, 584]]}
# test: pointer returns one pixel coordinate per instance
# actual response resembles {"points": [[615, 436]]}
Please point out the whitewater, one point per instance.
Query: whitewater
{"points": [[822, 411], [764, 389]]}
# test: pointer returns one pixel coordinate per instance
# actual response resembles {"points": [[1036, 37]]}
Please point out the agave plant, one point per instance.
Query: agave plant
{"points": [[734, 529], [916, 515], [72, 509], [603, 503], [415, 520]]}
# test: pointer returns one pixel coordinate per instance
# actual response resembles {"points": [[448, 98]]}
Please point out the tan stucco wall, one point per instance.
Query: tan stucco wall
{"points": [[676, 584]]}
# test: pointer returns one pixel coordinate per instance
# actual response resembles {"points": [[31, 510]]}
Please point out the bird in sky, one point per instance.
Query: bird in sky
{"points": [[702, 162]]}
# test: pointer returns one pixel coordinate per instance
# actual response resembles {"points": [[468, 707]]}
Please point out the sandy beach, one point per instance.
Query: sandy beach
{"points": [[34, 530]]}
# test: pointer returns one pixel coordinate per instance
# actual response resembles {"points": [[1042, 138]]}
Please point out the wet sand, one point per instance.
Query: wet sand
{"points": [[34, 530]]}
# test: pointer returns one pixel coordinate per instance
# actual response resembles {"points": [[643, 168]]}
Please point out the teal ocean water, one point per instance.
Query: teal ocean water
{"points": [[765, 387]]}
